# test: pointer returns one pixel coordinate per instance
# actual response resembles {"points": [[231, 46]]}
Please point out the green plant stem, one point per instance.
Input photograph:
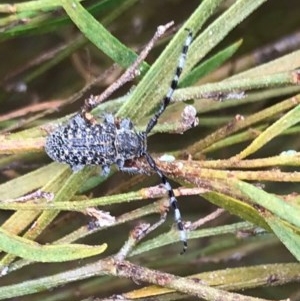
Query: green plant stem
{"points": [[281, 160], [184, 169], [237, 125], [127, 270], [288, 120], [30, 6], [244, 84], [79, 205]]}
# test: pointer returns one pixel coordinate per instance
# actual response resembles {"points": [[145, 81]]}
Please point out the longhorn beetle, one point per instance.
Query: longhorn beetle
{"points": [[84, 141]]}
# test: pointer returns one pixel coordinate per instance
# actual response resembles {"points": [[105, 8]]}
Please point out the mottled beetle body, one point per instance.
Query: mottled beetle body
{"points": [[83, 141]]}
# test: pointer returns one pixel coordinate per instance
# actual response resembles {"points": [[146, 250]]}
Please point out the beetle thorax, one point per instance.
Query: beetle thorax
{"points": [[130, 144]]}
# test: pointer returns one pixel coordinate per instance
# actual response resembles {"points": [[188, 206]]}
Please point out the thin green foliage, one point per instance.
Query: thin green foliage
{"points": [[265, 111]]}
